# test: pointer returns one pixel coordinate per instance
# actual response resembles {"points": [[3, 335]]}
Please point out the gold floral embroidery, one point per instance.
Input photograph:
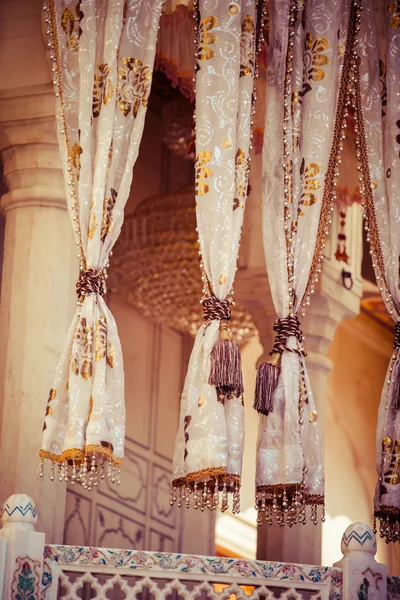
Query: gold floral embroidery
{"points": [[81, 357], [206, 39], [71, 26], [394, 8], [134, 83], [247, 42], [309, 184], [233, 9], [201, 402], [90, 407], [202, 172], [92, 223], [107, 222], [103, 89], [74, 156], [49, 410], [103, 347], [241, 178], [390, 461], [313, 59]]}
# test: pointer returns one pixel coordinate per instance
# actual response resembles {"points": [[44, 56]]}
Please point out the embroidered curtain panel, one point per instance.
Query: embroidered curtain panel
{"points": [[308, 70], [103, 56], [376, 102], [209, 445]]}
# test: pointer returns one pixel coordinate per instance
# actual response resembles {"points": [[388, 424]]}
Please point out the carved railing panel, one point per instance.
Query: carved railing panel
{"points": [[71, 572]]}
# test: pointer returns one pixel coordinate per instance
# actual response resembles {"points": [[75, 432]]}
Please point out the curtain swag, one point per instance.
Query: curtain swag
{"points": [[376, 105], [209, 444], [310, 66], [102, 51]]}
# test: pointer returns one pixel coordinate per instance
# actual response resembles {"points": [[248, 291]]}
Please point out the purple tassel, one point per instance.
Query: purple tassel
{"points": [[226, 367], [266, 383]]}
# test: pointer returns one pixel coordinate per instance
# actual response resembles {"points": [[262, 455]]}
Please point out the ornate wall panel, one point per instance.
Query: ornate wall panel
{"points": [[137, 514]]}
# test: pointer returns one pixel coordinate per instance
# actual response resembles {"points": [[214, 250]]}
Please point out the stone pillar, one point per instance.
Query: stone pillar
{"points": [[37, 293]]}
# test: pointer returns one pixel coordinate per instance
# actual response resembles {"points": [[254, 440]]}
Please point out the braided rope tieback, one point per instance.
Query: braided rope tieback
{"points": [[225, 362], [91, 282], [213, 308], [285, 328], [396, 342], [268, 372]]}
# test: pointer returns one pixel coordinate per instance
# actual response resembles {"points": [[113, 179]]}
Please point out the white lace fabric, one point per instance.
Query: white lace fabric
{"points": [[289, 444], [103, 56], [379, 51], [211, 435]]}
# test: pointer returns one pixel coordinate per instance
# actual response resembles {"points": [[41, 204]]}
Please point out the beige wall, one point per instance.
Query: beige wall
{"points": [[360, 353]]}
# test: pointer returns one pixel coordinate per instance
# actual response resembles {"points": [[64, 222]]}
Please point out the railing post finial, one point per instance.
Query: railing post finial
{"points": [[363, 576]]}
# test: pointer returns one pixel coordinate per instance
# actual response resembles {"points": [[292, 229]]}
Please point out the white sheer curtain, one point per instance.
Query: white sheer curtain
{"points": [[377, 112], [209, 445], [103, 55], [308, 67]]}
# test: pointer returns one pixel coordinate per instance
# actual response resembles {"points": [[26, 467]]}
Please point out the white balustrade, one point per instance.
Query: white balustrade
{"points": [[29, 569]]}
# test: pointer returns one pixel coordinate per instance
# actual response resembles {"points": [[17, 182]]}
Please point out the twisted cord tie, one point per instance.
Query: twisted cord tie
{"points": [[268, 372], [91, 282], [285, 328], [214, 308]]}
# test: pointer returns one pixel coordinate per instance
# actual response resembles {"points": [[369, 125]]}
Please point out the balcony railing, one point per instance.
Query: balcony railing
{"points": [[31, 570]]}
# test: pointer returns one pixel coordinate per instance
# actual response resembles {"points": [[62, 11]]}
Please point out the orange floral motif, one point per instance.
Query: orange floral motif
{"points": [[134, 83], [107, 222], [247, 47], [71, 25], [241, 178], [394, 8], [81, 357], [103, 89], [103, 347], [202, 172], [390, 461], [205, 39], [309, 183], [313, 61]]}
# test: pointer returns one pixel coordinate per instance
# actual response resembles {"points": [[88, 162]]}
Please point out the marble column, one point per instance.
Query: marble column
{"points": [[37, 293]]}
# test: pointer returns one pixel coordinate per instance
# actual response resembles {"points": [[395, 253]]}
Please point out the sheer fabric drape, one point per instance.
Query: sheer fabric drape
{"points": [[103, 55], [307, 79], [209, 445], [377, 110]]}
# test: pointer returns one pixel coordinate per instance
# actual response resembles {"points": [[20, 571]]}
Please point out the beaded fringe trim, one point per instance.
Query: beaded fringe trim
{"points": [[388, 519], [287, 505], [207, 489], [86, 467]]}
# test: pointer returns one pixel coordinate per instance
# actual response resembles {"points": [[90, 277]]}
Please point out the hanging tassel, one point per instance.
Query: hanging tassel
{"points": [[266, 383], [268, 372], [226, 366]]}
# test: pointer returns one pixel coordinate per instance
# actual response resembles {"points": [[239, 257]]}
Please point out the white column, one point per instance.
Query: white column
{"points": [[37, 292]]}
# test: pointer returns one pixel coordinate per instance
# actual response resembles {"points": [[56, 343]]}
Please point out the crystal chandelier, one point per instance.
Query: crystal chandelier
{"points": [[156, 265], [178, 132]]}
